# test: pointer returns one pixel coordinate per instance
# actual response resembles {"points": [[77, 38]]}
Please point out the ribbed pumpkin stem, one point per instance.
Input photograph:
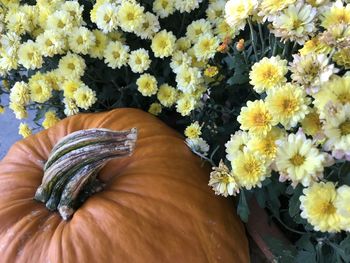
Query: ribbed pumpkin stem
{"points": [[74, 163]]}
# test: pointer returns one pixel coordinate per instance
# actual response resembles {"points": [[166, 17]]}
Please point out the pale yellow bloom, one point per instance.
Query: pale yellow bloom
{"points": [[84, 97], [185, 104], [116, 54], [155, 109], [29, 55], [147, 85], [193, 130], [80, 40], [163, 8], [167, 95], [50, 119], [71, 66], [139, 60], [131, 16], [24, 130], [20, 93], [163, 44]]}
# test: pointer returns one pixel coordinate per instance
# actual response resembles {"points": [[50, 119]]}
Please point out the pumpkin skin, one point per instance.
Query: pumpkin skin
{"points": [[157, 205]]}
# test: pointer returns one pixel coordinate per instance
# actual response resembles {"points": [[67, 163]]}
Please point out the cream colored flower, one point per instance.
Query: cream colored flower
{"points": [[237, 12], [237, 143], [116, 54], [139, 60]]}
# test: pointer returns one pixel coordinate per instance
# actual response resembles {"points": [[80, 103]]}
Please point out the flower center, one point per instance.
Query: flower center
{"points": [[71, 66], [328, 208], [297, 160], [260, 119], [345, 128], [344, 98], [80, 40], [289, 105]]}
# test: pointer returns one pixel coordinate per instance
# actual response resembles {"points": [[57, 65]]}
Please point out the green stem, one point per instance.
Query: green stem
{"points": [[285, 49], [262, 40], [253, 39], [287, 227], [274, 49]]}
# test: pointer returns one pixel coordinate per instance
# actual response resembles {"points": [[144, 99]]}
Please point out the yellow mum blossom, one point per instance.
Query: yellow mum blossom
{"points": [[342, 57], [147, 85], [60, 20], [70, 107], [101, 40], [215, 11], [20, 93], [185, 104], [24, 130], [149, 27], [318, 207], [288, 104], [335, 15], [342, 204], [188, 78], [19, 110], [93, 12], [17, 21], [139, 60], [223, 30], [268, 73], [198, 28], [163, 44], [311, 124], [50, 119], [256, 118], [315, 45], [182, 44], [51, 42], [250, 169], [206, 46], [29, 55], [40, 90], [299, 160], [116, 55], [155, 109], [179, 60], [193, 131], [53, 79], [71, 66], [106, 17], [237, 12], [80, 40], [211, 71], [75, 10], [269, 8], [167, 95], [70, 86], [130, 15], [186, 5], [84, 97], [163, 8], [237, 143]]}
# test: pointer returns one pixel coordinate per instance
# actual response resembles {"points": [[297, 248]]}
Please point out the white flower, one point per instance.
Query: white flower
{"points": [[237, 12], [106, 17], [198, 146]]}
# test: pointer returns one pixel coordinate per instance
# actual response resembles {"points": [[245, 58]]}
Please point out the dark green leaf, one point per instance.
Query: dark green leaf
{"points": [[282, 252], [294, 203], [243, 208]]}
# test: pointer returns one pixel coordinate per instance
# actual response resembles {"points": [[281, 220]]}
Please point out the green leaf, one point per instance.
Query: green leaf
{"points": [[243, 208], [305, 256], [344, 173], [260, 196], [283, 252], [342, 250], [304, 243], [238, 78], [294, 203]]}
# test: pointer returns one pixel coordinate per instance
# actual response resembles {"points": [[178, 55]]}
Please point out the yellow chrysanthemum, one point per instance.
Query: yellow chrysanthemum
{"points": [[147, 85], [266, 145], [149, 27], [51, 43], [53, 79], [335, 15], [93, 12], [237, 12], [237, 143], [256, 118], [19, 110], [288, 104], [315, 45], [206, 46], [167, 95], [24, 130], [139, 60], [60, 21], [116, 55], [268, 73], [101, 40], [106, 17], [70, 107], [269, 8], [299, 160], [71, 66], [50, 119], [75, 10], [163, 44], [318, 207], [193, 131], [311, 124], [342, 204], [224, 31], [40, 90], [182, 44], [163, 8], [185, 104], [215, 11], [223, 181], [335, 91], [84, 97], [130, 15], [188, 78], [20, 93], [29, 55], [198, 28], [186, 5], [70, 86], [80, 40], [342, 57], [250, 169], [155, 108]]}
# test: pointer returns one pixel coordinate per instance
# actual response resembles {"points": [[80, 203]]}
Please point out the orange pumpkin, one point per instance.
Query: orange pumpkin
{"points": [[156, 207]]}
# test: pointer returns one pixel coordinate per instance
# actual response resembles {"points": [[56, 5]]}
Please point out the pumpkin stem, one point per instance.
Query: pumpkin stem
{"points": [[70, 174]]}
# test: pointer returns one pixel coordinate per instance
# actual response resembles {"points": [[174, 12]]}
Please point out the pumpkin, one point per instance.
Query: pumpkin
{"points": [[155, 206]]}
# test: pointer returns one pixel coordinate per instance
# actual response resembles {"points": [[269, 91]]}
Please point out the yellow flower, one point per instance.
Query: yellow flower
{"points": [[335, 15], [70, 86], [75, 10], [51, 43], [237, 12], [211, 71], [139, 60], [106, 17], [50, 119], [206, 46], [19, 110], [116, 54], [20, 93], [185, 104], [71, 66], [60, 20], [101, 40], [269, 8], [299, 160], [54, 79], [311, 124], [163, 44], [163, 8], [288, 104], [84, 97], [155, 109], [266, 146], [24, 130], [268, 73], [342, 57], [215, 11], [182, 44], [256, 118], [180, 59], [93, 12], [315, 45], [237, 143], [149, 27], [147, 85], [198, 28], [167, 95], [188, 78], [29, 55], [40, 90], [224, 30], [193, 131], [186, 5], [342, 204], [70, 107], [318, 207], [250, 169], [223, 181], [130, 16], [80, 40]]}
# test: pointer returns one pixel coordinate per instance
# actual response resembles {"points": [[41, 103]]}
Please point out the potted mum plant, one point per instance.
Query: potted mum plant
{"points": [[260, 89]]}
